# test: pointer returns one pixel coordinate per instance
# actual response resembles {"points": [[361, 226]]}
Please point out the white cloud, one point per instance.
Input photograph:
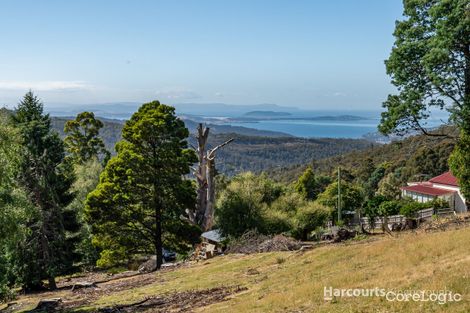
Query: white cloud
{"points": [[219, 94], [178, 94], [44, 85]]}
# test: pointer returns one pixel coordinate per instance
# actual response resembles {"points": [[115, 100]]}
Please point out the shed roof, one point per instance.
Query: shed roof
{"points": [[213, 235]]}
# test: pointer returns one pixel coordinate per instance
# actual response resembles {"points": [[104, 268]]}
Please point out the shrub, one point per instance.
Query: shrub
{"points": [[440, 204], [371, 208], [288, 202], [276, 221], [240, 206], [388, 208], [308, 218], [352, 196], [410, 209]]}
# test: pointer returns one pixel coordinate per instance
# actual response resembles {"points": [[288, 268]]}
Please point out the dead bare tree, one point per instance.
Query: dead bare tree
{"points": [[210, 174], [205, 173]]}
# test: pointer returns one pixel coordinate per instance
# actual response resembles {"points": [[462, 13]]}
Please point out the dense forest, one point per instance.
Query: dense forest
{"points": [[251, 150], [418, 157]]}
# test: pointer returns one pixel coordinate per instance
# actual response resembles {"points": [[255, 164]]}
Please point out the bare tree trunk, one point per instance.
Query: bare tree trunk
{"points": [[196, 216], [52, 284], [209, 214], [157, 205], [210, 173], [204, 173], [45, 247], [158, 238]]}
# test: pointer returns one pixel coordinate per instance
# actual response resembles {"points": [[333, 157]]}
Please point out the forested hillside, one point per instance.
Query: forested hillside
{"points": [[418, 157], [252, 150], [257, 154]]}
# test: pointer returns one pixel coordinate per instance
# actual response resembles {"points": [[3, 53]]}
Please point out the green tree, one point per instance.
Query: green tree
{"points": [[239, 207], [85, 149], [310, 185], [142, 193], [430, 66], [375, 178], [308, 217], [352, 196], [47, 250], [305, 185], [87, 177], [428, 162], [365, 170], [371, 207], [388, 208], [460, 163], [83, 141], [14, 206], [389, 186]]}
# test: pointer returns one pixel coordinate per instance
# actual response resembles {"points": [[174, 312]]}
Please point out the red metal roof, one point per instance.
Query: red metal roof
{"points": [[445, 179], [427, 190]]}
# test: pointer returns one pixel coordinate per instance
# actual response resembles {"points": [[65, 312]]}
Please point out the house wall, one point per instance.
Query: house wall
{"points": [[459, 200], [417, 196]]}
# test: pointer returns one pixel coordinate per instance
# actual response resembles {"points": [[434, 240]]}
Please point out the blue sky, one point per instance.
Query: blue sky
{"points": [[309, 54]]}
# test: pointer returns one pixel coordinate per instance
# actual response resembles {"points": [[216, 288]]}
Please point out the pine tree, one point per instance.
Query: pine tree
{"points": [[47, 251], [142, 192]]}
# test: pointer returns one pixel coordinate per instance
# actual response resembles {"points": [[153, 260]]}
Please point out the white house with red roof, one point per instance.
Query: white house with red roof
{"points": [[444, 186]]}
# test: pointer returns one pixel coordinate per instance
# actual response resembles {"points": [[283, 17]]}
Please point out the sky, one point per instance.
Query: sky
{"points": [[312, 54]]}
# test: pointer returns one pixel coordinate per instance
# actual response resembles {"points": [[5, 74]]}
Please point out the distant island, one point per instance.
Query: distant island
{"points": [[256, 116], [268, 114]]}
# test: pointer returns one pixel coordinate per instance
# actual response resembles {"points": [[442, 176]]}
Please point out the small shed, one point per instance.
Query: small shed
{"points": [[212, 244], [212, 236]]}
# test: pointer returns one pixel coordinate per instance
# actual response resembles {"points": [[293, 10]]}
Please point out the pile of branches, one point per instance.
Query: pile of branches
{"points": [[253, 242], [447, 223]]}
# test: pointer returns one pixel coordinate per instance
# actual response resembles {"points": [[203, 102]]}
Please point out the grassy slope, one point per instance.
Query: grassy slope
{"points": [[412, 261], [294, 281]]}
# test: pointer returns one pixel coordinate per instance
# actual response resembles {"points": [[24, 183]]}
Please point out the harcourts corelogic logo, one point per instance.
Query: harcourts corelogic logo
{"points": [[439, 296]]}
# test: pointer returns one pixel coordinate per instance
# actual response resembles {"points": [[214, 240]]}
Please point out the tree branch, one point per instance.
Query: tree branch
{"points": [[210, 154]]}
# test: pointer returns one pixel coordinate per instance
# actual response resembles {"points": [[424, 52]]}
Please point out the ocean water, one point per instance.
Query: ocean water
{"points": [[308, 128]]}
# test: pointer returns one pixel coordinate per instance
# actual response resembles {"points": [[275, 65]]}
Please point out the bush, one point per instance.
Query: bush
{"points": [[288, 202], [276, 221], [440, 204], [240, 206], [410, 209], [257, 203], [389, 208], [308, 218], [6, 294], [371, 208]]}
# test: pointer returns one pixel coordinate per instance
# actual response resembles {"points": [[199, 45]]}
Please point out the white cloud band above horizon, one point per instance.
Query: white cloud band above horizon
{"points": [[45, 85]]}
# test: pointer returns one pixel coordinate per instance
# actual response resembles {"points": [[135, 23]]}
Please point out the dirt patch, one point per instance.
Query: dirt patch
{"points": [[185, 301], [95, 277], [102, 284], [87, 296]]}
